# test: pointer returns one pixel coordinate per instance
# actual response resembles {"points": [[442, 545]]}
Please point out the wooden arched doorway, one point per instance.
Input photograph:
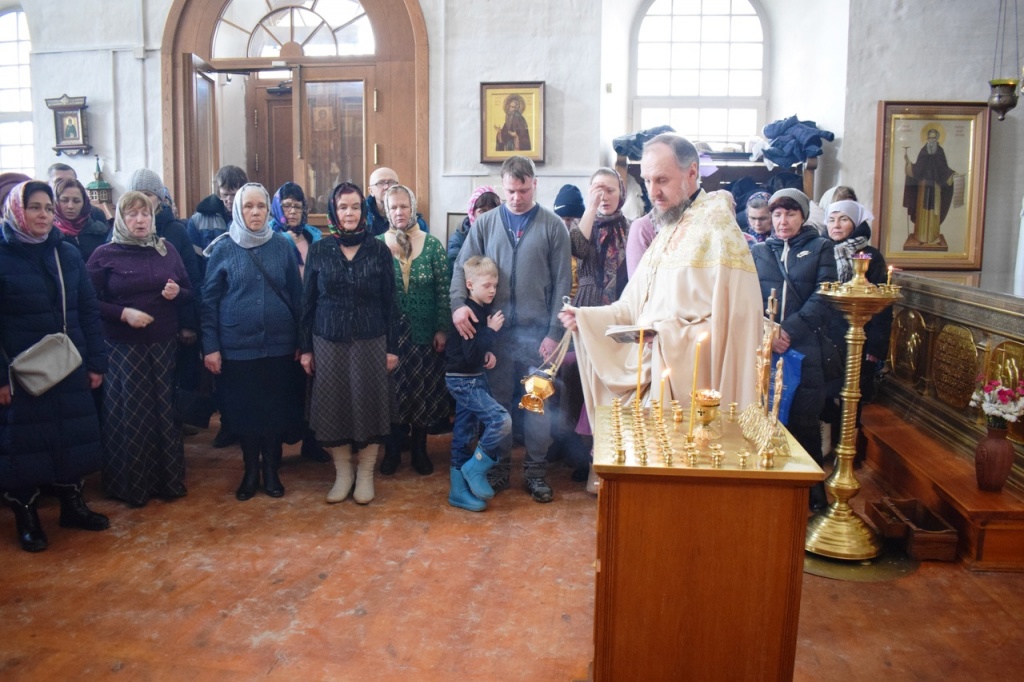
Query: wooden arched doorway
{"points": [[394, 81]]}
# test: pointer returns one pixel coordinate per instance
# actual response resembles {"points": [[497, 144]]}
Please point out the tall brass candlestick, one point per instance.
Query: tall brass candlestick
{"points": [[837, 532]]}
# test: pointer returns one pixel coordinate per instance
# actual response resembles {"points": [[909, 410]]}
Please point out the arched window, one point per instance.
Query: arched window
{"points": [[293, 28], [16, 149], [699, 67]]}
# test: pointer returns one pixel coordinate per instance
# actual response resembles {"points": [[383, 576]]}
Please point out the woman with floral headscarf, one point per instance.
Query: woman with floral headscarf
{"points": [[599, 242], [53, 438], [848, 226], [288, 215], [349, 342], [250, 313], [74, 217], [140, 282], [422, 278]]}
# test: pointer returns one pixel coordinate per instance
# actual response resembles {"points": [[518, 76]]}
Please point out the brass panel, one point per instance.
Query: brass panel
{"points": [[954, 366], [909, 339]]}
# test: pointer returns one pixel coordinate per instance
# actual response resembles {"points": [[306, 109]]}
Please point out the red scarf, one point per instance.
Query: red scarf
{"points": [[71, 227]]}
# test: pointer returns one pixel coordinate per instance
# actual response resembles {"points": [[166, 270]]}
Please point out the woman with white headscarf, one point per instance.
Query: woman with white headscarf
{"points": [[250, 311], [848, 226], [140, 283]]}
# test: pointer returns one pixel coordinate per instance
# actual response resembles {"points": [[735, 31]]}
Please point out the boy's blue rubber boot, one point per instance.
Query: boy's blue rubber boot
{"points": [[475, 472], [460, 497]]}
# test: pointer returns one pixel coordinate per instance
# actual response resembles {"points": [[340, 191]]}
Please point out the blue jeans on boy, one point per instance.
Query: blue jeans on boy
{"points": [[474, 406]]}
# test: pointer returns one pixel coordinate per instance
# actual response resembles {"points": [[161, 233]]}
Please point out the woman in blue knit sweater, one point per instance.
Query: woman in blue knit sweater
{"points": [[250, 310]]}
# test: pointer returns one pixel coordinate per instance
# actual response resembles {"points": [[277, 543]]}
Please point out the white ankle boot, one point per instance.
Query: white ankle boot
{"points": [[343, 483], [364, 474]]}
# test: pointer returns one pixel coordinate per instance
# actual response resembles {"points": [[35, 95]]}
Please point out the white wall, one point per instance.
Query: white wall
{"points": [[934, 51], [551, 42], [108, 51]]}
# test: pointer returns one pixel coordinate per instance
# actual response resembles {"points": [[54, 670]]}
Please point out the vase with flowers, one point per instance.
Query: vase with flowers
{"points": [[993, 457]]}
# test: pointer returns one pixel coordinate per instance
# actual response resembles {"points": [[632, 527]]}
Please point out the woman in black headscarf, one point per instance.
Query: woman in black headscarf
{"points": [[349, 341]]}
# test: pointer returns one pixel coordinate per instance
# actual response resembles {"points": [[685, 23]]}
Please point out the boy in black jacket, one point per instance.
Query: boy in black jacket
{"points": [[467, 360]]}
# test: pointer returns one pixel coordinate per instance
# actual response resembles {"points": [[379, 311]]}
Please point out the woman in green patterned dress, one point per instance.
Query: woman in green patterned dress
{"points": [[422, 277]]}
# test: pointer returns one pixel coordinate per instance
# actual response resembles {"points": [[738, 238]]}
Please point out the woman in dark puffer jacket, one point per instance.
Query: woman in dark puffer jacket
{"points": [[52, 439], [795, 261]]}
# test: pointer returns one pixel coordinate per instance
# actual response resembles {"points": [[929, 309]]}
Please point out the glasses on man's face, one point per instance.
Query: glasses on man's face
{"points": [[291, 207], [227, 197], [752, 219], [384, 184]]}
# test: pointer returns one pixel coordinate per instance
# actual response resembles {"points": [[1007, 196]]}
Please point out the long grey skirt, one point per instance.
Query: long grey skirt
{"points": [[349, 404]]}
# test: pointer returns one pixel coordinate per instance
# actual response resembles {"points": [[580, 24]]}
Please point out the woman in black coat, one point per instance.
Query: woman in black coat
{"points": [[74, 219], [795, 261], [52, 439]]}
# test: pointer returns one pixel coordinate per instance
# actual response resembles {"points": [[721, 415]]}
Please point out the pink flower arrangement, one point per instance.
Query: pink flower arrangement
{"points": [[999, 402]]}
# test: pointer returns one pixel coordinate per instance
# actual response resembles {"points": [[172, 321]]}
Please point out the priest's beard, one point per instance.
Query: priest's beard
{"points": [[671, 216]]}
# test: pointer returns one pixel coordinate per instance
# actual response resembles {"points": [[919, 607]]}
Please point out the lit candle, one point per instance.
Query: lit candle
{"points": [[693, 394], [639, 366], [664, 376], [888, 281]]}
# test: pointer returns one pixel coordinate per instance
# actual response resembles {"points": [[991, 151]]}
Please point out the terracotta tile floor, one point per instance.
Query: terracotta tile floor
{"points": [[208, 588]]}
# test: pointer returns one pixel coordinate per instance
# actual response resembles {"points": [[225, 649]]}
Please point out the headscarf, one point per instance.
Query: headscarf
{"points": [[609, 237], [403, 237], [239, 233], [71, 227], [278, 220], [356, 237], [121, 235], [857, 239], [482, 189], [14, 210]]}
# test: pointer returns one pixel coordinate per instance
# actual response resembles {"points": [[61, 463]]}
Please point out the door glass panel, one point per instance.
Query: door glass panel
{"points": [[333, 146]]}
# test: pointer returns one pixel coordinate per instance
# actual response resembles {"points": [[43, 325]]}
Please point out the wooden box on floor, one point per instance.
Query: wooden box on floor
{"points": [[699, 570]]}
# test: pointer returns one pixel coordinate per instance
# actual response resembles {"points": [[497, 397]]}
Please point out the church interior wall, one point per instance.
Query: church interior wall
{"points": [[830, 62]]}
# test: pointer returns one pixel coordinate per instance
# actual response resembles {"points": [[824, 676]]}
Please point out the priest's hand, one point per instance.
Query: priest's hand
{"points": [[568, 317], [780, 344], [463, 319]]}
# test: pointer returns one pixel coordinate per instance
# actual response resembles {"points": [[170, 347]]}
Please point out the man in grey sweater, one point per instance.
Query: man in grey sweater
{"points": [[531, 247]]}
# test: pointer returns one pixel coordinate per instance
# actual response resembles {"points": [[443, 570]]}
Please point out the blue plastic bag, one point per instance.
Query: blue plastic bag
{"points": [[792, 361]]}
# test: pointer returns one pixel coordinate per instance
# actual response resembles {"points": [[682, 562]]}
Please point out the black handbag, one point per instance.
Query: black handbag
{"points": [[832, 361]]}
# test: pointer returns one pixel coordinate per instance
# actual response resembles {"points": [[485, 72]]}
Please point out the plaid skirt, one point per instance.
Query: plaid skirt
{"points": [[143, 451], [418, 392], [349, 403]]}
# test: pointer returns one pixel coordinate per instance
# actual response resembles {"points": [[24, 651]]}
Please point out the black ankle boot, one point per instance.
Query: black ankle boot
{"points": [[271, 449], [73, 511], [30, 530], [392, 451], [251, 477], [311, 449], [421, 463]]}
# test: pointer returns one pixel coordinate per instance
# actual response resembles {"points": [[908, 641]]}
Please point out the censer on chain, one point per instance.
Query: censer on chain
{"points": [[540, 383]]}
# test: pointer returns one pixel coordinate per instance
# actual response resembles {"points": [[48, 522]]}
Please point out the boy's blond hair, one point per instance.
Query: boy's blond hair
{"points": [[479, 266]]}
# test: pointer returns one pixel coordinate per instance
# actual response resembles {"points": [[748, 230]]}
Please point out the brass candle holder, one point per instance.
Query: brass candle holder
{"points": [[836, 531], [707, 401]]}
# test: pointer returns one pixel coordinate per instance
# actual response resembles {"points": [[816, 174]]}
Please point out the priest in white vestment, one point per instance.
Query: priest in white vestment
{"points": [[696, 277]]}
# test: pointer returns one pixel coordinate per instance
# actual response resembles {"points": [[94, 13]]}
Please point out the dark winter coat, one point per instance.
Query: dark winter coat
{"points": [[54, 437], [173, 230], [811, 261], [94, 234]]}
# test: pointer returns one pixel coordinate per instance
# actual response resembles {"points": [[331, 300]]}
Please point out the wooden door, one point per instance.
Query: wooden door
{"points": [[270, 157]]}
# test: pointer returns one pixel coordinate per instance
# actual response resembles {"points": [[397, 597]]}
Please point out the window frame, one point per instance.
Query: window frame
{"points": [[21, 116], [639, 103]]}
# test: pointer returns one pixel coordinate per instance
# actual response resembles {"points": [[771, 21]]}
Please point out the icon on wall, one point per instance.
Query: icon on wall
{"points": [[70, 125]]}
